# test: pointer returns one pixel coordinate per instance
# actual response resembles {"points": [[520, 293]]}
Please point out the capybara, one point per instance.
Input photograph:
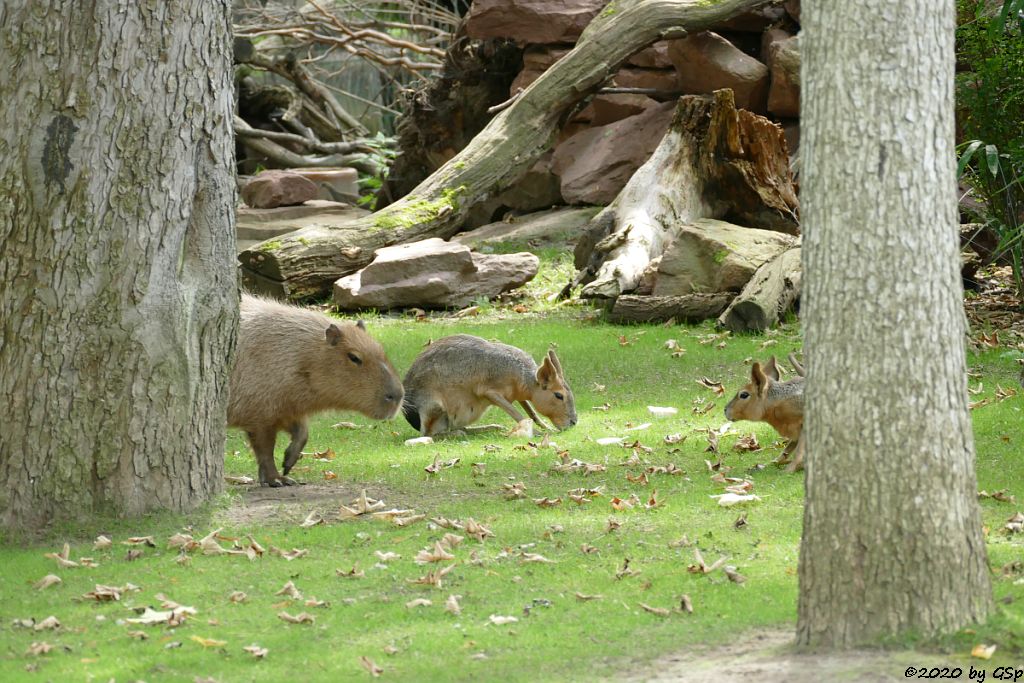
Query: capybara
{"points": [[780, 404], [455, 379], [292, 362]]}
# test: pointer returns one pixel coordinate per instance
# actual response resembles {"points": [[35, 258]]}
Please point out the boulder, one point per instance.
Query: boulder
{"points": [[257, 225], [707, 62], [666, 80], [769, 38], [595, 163], [793, 9], [714, 256], [557, 226], [270, 189], [531, 21], [432, 273], [334, 184], [653, 57], [607, 109], [784, 64]]}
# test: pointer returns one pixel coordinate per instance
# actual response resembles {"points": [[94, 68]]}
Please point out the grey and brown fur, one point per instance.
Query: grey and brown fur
{"points": [[780, 404], [456, 379], [292, 362]]}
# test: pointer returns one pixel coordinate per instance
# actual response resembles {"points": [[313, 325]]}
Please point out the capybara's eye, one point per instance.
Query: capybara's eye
{"points": [[744, 394], [355, 359], [559, 396]]}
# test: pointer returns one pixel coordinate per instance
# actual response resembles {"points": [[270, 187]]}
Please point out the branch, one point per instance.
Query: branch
{"points": [[244, 130]]}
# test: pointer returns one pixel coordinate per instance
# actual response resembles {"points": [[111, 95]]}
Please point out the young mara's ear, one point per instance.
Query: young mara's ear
{"points": [[360, 324], [771, 369], [759, 379], [546, 373], [554, 361], [333, 335]]}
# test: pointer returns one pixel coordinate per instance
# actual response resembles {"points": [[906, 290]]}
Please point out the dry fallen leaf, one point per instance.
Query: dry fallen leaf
{"points": [[370, 666], [612, 525], [238, 596], [685, 604], [46, 582], [660, 611], [713, 385], [300, 618], [209, 642], [256, 651], [419, 602], [48, 624], [500, 620], [354, 573], [293, 554], [662, 411], [290, 591], [386, 556], [433, 578], [439, 553], [734, 575], [546, 502], [138, 540], [38, 648], [240, 481], [747, 443], [982, 651], [478, 531], [61, 558], [730, 499], [625, 570], [102, 543], [452, 606], [534, 557], [701, 567], [312, 519], [585, 598]]}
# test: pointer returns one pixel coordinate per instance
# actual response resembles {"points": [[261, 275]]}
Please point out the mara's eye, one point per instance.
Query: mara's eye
{"points": [[355, 359], [744, 395], [559, 396]]}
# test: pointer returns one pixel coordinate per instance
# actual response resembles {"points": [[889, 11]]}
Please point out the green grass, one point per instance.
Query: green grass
{"points": [[561, 638]]}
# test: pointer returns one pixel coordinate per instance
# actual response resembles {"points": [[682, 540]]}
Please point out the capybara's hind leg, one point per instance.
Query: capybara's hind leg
{"points": [[262, 443], [299, 432]]}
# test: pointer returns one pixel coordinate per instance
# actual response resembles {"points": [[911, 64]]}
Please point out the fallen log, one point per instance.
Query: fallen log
{"points": [[305, 263], [688, 308], [769, 295], [714, 162]]}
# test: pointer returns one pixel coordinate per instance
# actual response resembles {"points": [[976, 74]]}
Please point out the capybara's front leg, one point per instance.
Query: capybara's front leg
{"points": [[262, 443], [299, 432]]}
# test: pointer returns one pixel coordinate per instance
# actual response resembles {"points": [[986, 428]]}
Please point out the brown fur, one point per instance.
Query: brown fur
{"points": [[456, 379], [292, 362], [780, 404]]}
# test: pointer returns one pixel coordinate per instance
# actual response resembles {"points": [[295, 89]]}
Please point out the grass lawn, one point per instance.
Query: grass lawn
{"points": [[536, 565]]}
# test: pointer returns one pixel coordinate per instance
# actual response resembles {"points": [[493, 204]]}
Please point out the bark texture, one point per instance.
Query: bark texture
{"points": [[689, 308], [768, 296], [120, 301], [306, 263], [892, 532], [715, 161]]}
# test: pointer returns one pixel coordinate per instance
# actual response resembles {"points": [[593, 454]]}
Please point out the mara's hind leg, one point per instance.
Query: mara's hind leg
{"points": [[299, 431], [433, 420]]}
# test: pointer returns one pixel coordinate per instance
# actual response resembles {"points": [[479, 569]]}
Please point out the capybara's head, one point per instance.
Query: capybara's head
{"points": [[553, 397], [354, 373], [749, 402]]}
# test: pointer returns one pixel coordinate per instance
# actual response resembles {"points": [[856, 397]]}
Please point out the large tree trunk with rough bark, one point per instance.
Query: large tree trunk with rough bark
{"points": [[120, 300], [892, 531], [305, 263], [714, 161]]}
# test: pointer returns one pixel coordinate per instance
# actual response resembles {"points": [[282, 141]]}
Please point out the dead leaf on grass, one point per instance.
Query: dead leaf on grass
{"points": [[582, 597], [50, 623], [312, 519], [685, 604], [747, 443], [527, 558], [289, 555], [370, 666], [588, 549], [514, 491], [256, 651], [982, 651], [625, 570], [452, 606], [478, 531], [37, 648], [713, 385], [46, 582], [138, 540], [733, 575], [208, 642], [660, 611], [300, 618], [290, 590], [439, 553], [387, 556], [498, 620], [433, 578], [612, 525], [701, 567], [546, 502], [102, 543], [419, 602], [238, 597], [354, 573]]}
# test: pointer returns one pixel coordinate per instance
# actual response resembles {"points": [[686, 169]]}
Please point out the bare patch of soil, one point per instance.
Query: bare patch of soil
{"points": [[769, 657], [263, 505]]}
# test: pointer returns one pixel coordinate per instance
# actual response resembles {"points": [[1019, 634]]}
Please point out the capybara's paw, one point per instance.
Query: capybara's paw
{"points": [[523, 428]]}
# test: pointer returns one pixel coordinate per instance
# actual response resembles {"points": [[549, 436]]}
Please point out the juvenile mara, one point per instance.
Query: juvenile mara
{"points": [[292, 362], [780, 404], [455, 379]]}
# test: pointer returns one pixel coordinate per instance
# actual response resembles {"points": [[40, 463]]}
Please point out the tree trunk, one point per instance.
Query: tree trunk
{"points": [[714, 162], [771, 292], [892, 532], [120, 301], [689, 308], [306, 263]]}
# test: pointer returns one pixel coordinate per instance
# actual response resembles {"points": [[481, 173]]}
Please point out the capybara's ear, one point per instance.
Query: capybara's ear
{"points": [[546, 373], [759, 379], [771, 369], [360, 324], [333, 335]]}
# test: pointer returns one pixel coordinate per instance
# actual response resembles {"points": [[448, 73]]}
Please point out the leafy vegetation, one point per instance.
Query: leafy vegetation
{"points": [[990, 97]]}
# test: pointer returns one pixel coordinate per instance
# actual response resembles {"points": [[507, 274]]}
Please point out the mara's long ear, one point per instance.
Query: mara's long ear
{"points": [[546, 373], [759, 379], [333, 334], [771, 369], [554, 361]]}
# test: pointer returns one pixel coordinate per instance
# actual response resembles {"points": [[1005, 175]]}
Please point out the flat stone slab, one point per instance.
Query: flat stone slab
{"points": [[262, 224], [555, 226]]}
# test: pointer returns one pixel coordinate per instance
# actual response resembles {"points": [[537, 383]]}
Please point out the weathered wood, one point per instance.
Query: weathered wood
{"points": [[307, 262], [771, 292], [714, 162], [687, 308]]}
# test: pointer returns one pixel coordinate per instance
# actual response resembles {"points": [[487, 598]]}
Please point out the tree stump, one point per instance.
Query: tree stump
{"points": [[771, 292]]}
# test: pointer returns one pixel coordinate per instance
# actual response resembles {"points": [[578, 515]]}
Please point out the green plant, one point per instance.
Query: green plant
{"points": [[383, 154], [990, 98]]}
